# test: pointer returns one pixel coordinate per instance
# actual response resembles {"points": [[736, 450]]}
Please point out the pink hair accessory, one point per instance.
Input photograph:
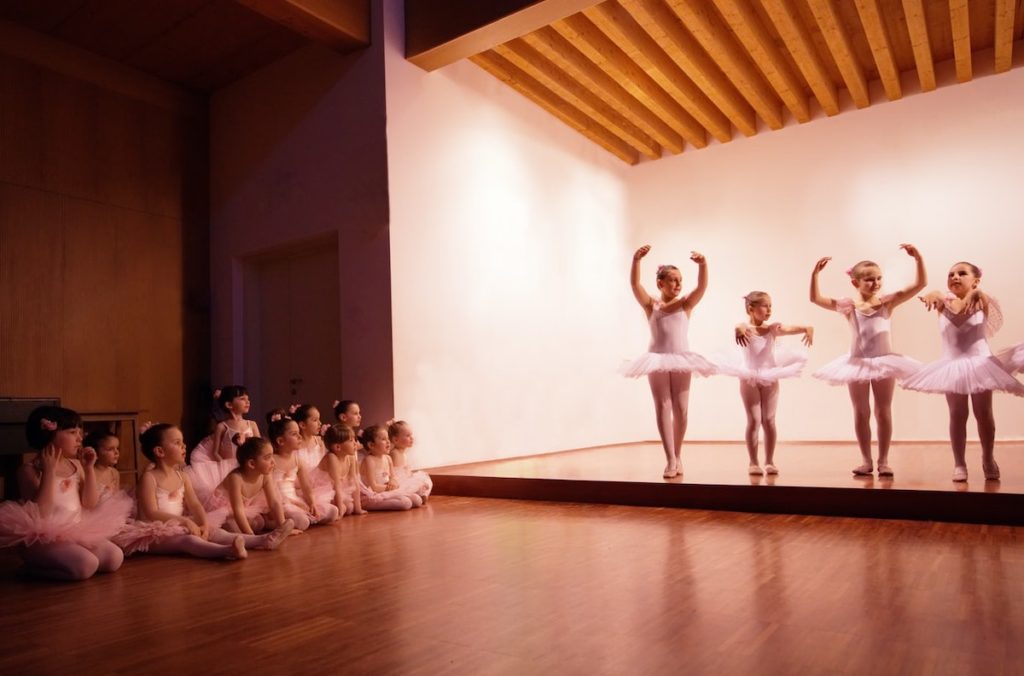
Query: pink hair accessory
{"points": [[979, 272], [48, 425], [239, 437], [849, 272], [216, 393], [293, 408], [323, 428], [275, 417], [145, 426], [335, 404]]}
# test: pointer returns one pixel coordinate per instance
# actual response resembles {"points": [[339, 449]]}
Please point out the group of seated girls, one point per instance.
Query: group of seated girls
{"points": [[241, 491]]}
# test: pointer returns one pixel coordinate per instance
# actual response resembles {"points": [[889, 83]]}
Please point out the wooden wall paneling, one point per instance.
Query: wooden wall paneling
{"points": [[70, 151], [163, 156], [21, 126], [31, 302], [90, 281], [120, 142], [130, 298]]}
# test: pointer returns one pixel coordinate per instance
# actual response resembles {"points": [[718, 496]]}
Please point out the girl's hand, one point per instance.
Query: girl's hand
{"points": [[820, 265], [204, 531], [88, 455], [743, 334], [641, 252], [49, 458], [392, 485], [932, 301], [911, 249], [808, 338], [314, 512], [697, 258], [190, 525]]}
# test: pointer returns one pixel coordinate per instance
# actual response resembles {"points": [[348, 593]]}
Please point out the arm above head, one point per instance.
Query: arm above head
{"points": [[903, 295], [816, 297], [639, 292], [690, 300]]}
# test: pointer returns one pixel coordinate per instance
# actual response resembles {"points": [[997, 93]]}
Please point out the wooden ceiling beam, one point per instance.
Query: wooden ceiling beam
{"points": [[620, 26], [743, 20], [600, 49], [1004, 34], [562, 53], [515, 77], [917, 26], [881, 47], [798, 42], [557, 80], [714, 36], [960, 20], [838, 41], [664, 26], [440, 33], [343, 25]]}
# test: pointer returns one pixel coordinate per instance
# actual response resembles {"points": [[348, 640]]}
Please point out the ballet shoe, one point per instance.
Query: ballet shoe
{"points": [[754, 470], [991, 471], [670, 471], [771, 469], [863, 470], [884, 470], [238, 545], [279, 535], [959, 473]]}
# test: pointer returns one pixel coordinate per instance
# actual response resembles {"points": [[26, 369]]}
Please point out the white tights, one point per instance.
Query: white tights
{"points": [[760, 402], [671, 392], [958, 414], [860, 396]]}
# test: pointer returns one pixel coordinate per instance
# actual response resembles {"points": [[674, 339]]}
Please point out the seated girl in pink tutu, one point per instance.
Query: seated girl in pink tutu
{"points": [[380, 489], [418, 482], [108, 451], [214, 457], [340, 469], [967, 318], [668, 362], [871, 366], [307, 417], [759, 368], [171, 519], [302, 504], [62, 530], [249, 495]]}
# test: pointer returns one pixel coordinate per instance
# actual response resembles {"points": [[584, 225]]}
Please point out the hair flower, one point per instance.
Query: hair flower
{"points": [[293, 408], [48, 425], [145, 426]]}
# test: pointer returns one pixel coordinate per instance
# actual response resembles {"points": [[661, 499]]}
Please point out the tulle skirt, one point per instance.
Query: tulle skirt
{"points": [[417, 482], [139, 536], [788, 364], [847, 369], [21, 523], [207, 475], [1013, 358], [218, 508], [964, 375], [321, 482], [669, 362]]}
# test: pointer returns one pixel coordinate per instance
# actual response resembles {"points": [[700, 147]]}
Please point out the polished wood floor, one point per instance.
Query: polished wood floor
{"points": [[476, 586]]}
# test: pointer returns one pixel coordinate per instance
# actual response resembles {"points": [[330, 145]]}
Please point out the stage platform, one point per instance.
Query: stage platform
{"points": [[814, 478]]}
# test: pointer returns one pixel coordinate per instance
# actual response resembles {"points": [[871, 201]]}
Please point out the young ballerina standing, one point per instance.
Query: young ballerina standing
{"points": [[340, 469], [62, 530], [171, 519], [759, 371], [214, 457], [418, 482], [302, 504], [967, 370], [668, 363], [871, 366], [380, 490]]}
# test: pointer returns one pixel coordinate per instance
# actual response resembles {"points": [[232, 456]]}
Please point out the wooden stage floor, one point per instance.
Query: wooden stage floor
{"points": [[813, 479]]}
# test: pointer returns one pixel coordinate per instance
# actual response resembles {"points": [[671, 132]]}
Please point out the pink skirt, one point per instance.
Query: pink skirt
{"points": [[21, 523]]}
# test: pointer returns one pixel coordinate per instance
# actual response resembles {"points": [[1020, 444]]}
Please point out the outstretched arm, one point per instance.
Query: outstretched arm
{"points": [[816, 297], [807, 331], [903, 295], [691, 299], [933, 300], [639, 292]]}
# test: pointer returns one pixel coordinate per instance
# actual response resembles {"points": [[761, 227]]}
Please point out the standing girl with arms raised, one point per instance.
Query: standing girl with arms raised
{"points": [[871, 367], [668, 363]]}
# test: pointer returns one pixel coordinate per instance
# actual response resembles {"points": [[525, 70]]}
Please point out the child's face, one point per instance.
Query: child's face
{"points": [[759, 311], [870, 280], [68, 442], [239, 405], [311, 425], [381, 445], [290, 439], [347, 447], [109, 452], [352, 417], [961, 279], [672, 283], [403, 439], [264, 462], [173, 447]]}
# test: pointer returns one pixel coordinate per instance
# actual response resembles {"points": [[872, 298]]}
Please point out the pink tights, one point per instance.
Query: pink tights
{"points": [[671, 392], [958, 414], [760, 402], [70, 561], [860, 396]]}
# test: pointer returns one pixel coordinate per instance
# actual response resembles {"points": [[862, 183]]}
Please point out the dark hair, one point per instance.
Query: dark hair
{"points": [[342, 407], [395, 427], [278, 413], [94, 439], [338, 434], [370, 434], [153, 437], [229, 393], [663, 271], [974, 268], [38, 436], [276, 428], [249, 449], [301, 412]]}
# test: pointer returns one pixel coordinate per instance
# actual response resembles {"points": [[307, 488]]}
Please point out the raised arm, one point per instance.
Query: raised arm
{"points": [[903, 295], [816, 297], [639, 292], [90, 487], [691, 299]]}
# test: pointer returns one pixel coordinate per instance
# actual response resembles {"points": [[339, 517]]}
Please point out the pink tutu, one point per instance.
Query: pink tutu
{"points": [[138, 536], [670, 362], [207, 475], [964, 375], [322, 485], [788, 364], [218, 508], [417, 482], [1013, 358], [21, 523], [847, 369]]}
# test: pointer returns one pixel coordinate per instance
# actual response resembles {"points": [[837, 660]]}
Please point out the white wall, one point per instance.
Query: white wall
{"points": [[511, 237]]}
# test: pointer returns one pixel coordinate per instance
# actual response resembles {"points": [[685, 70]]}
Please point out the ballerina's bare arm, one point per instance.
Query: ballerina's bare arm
{"points": [[903, 295], [639, 292], [807, 331], [933, 300], [816, 297], [149, 508], [195, 508], [691, 299], [233, 487]]}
